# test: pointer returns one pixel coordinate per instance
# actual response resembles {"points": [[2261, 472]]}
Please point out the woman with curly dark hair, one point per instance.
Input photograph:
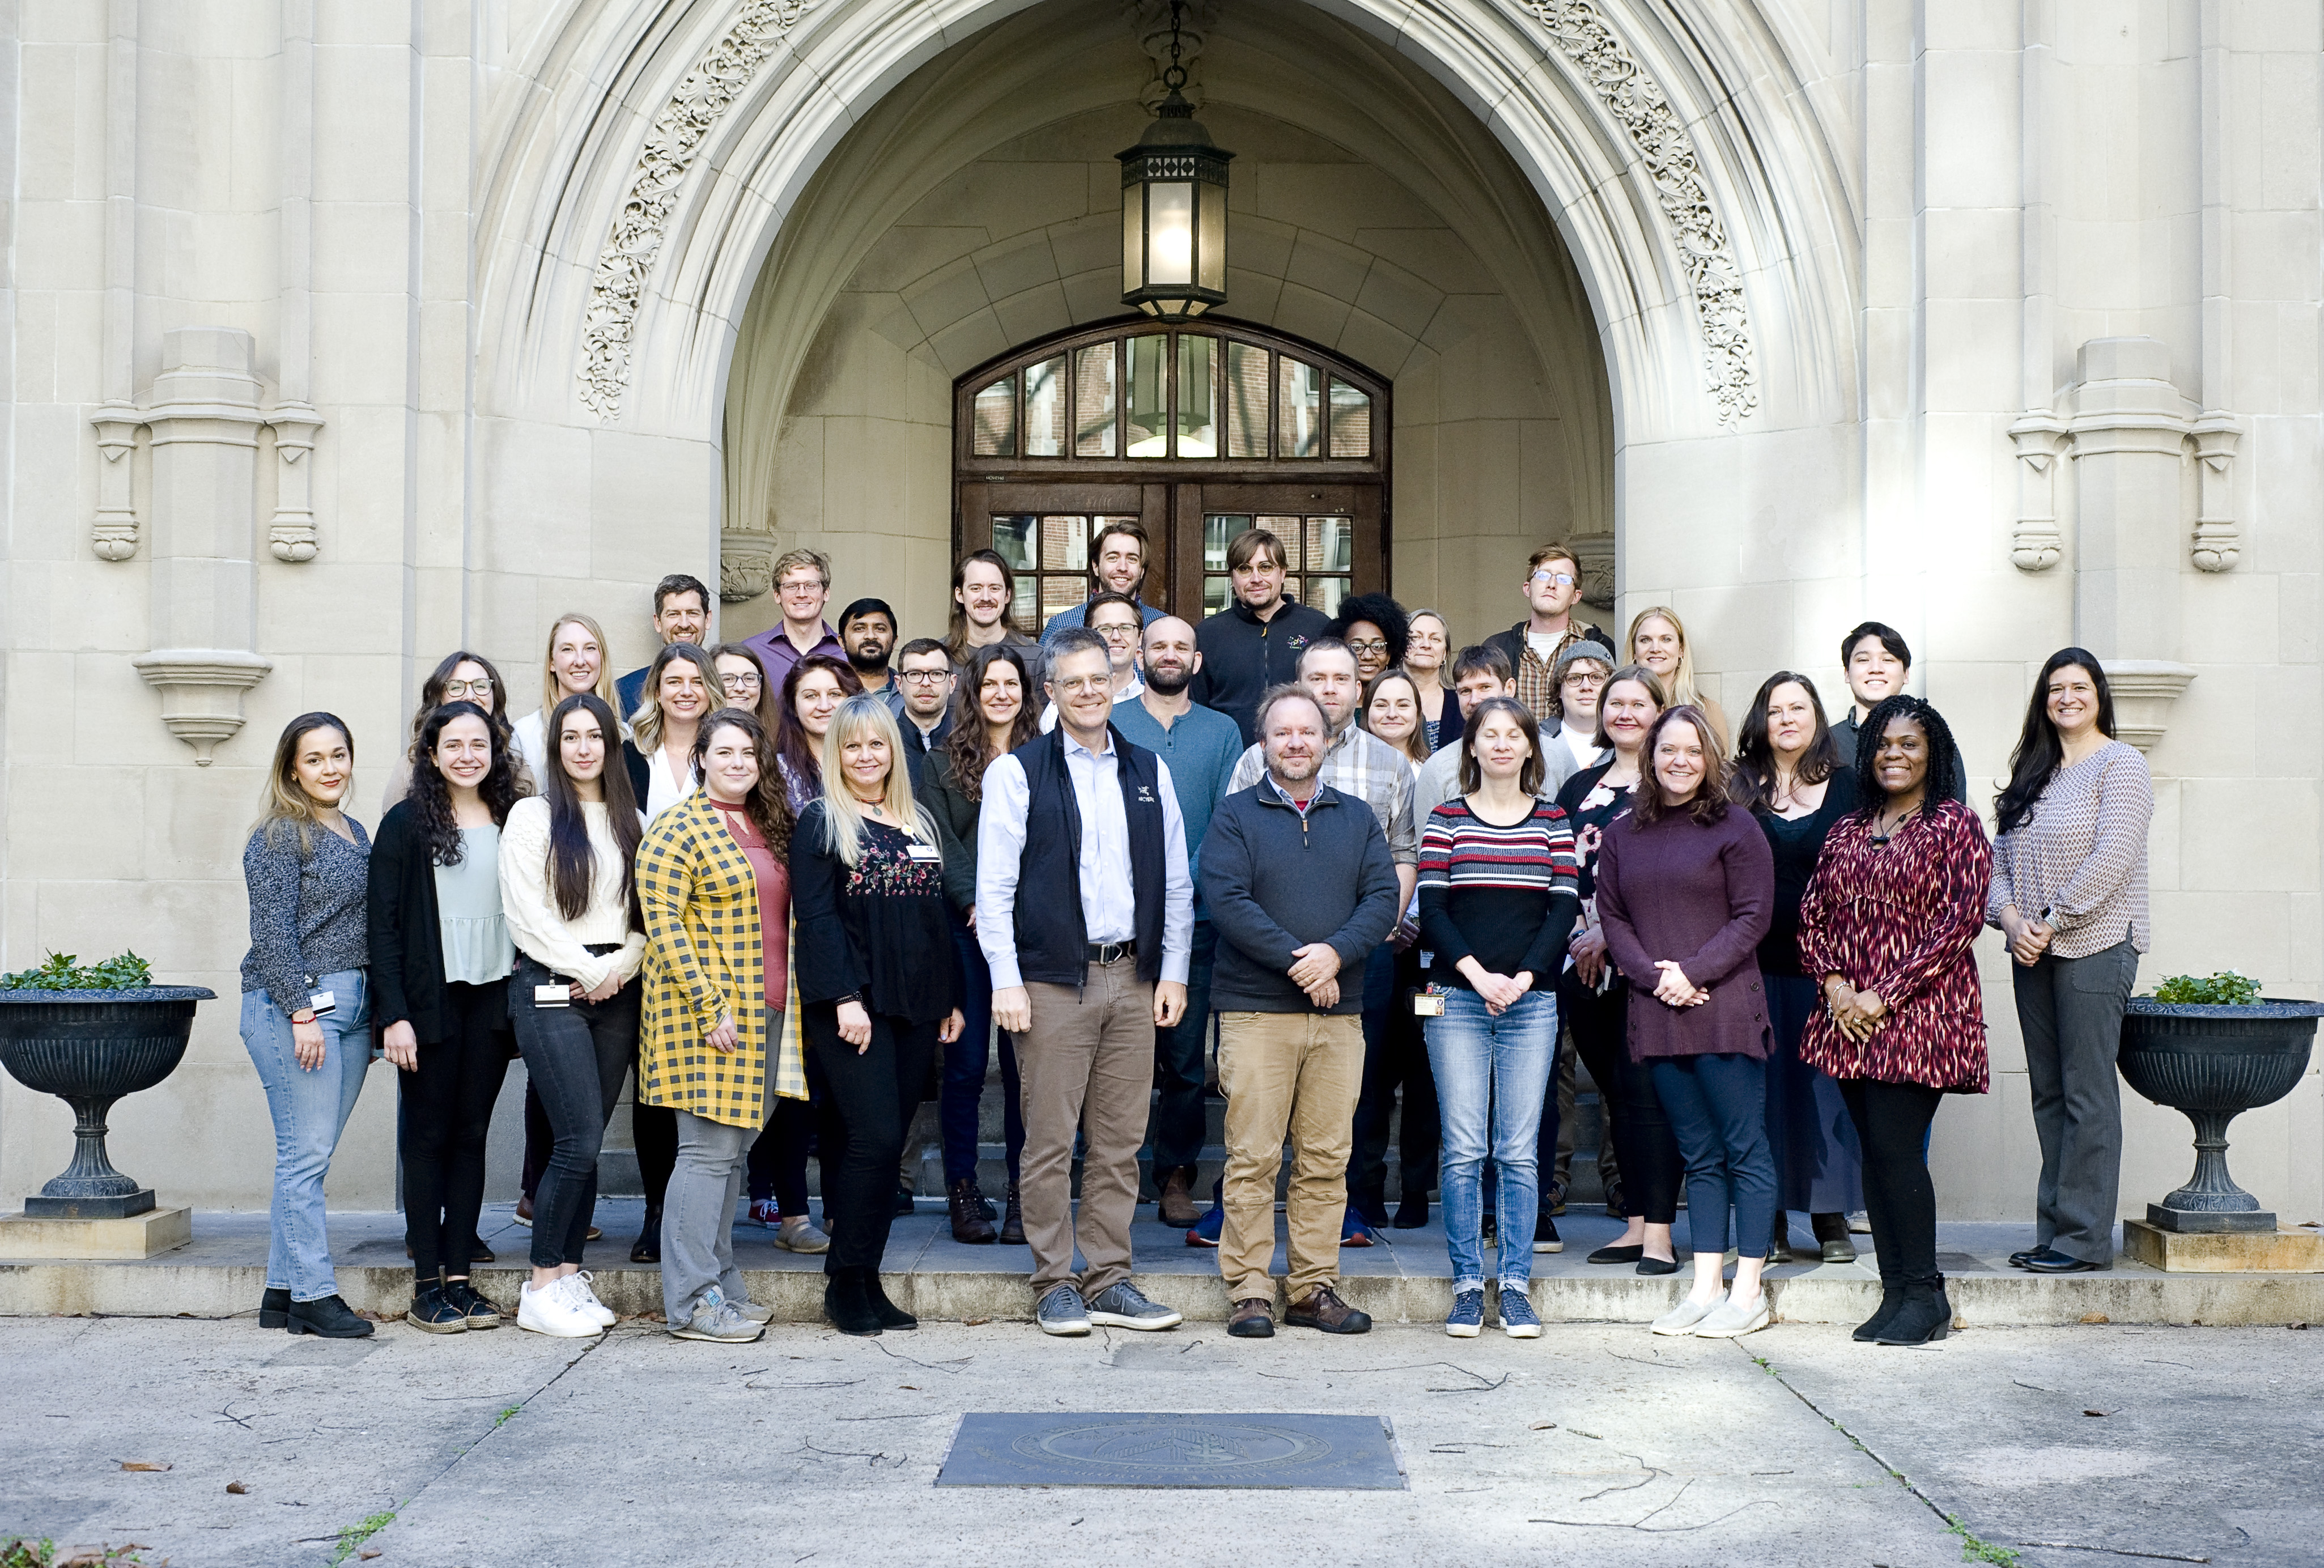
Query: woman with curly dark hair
{"points": [[812, 692], [458, 677], [992, 717], [441, 955], [1376, 630], [1685, 884], [1887, 926]]}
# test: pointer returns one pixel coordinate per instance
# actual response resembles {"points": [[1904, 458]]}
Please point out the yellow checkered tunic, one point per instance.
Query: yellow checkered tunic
{"points": [[703, 961]]}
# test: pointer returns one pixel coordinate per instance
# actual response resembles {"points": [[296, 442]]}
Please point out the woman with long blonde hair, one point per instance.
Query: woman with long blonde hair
{"points": [[871, 927], [1657, 639], [578, 661]]}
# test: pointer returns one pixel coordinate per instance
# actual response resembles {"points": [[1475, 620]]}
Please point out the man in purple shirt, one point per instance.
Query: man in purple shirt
{"points": [[803, 587]]}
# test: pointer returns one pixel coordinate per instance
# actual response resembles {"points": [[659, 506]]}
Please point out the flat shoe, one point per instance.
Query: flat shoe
{"points": [[1682, 1318], [1731, 1319], [1656, 1265], [1617, 1255], [2051, 1261]]}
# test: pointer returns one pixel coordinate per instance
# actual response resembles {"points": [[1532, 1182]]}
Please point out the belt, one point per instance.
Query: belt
{"points": [[1111, 952]]}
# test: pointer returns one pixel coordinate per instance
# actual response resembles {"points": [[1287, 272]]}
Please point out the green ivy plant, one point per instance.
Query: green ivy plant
{"points": [[63, 971], [2225, 989]]}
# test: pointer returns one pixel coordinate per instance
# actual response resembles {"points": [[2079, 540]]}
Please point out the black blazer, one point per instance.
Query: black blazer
{"points": [[641, 776], [406, 943]]}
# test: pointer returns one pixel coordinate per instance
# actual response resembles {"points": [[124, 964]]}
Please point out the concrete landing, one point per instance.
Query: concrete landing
{"points": [[1405, 1278]]}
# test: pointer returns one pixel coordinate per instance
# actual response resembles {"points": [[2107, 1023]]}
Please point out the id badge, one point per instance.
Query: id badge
{"points": [[557, 995], [323, 1002], [1428, 1002], [926, 854]]}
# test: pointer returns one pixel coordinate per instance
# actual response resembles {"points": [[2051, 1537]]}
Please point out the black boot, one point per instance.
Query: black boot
{"points": [[1892, 1302], [1012, 1220], [648, 1244], [889, 1315], [1924, 1317], [847, 1304], [330, 1318], [275, 1308]]}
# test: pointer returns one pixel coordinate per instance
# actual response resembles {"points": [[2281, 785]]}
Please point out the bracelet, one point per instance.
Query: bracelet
{"points": [[853, 996]]}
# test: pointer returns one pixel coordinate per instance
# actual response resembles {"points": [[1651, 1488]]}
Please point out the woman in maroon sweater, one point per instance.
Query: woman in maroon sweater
{"points": [[1686, 887], [1887, 926]]}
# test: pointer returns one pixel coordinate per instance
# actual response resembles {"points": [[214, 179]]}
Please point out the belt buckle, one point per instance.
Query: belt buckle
{"points": [[1113, 952]]}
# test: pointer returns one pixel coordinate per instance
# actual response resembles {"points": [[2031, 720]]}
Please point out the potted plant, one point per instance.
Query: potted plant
{"points": [[2213, 1047], [91, 1034]]}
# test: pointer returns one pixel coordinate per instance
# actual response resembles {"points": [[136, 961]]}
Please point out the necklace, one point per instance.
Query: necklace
{"points": [[1880, 835]]}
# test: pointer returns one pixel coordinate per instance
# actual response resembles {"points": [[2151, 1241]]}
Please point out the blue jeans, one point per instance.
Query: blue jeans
{"points": [[1490, 1073], [1718, 1107], [1179, 1121], [310, 1109], [964, 1062]]}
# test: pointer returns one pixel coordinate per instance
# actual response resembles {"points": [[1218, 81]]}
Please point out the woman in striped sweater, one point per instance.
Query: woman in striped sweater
{"points": [[1498, 899]]}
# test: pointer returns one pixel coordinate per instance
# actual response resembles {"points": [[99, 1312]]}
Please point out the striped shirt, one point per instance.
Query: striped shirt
{"points": [[2082, 853], [1505, 895]]}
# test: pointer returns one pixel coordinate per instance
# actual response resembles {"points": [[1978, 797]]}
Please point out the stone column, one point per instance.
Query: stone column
{"points": [[204, 418]]}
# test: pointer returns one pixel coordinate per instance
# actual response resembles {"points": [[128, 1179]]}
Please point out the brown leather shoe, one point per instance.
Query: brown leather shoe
{"points": [[1323, 1309], [1253, 1318], [1177, 1205], [968, 1222], [1831, 1234], [1012, 1220]]}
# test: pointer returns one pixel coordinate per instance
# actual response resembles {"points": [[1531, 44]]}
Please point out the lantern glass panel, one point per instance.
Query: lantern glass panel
{"points": [[1210, 236], [1170, 233]]}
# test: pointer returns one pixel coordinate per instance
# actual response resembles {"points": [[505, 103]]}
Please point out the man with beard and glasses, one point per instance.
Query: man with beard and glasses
{"points": [[867, 630], [924, 673], [1201, 746]]}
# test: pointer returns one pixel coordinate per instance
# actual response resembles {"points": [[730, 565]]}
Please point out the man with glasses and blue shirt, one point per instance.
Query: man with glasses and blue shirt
{"points": [[1551, 589], [924, 676]]}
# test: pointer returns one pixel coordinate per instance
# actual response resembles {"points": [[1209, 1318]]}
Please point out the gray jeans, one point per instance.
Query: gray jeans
{"points": [[2069, 1010], [697, 1214]]}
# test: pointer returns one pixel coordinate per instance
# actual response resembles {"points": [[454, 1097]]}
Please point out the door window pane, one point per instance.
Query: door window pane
{"points": [[1291, 589], [1219, 530], [1351, 419], [1060, 594], [995, 420], [1149, 393], [1299, 410], [1012, 540], [1064, 544], [1023, 608], [1325, 593], [1045, 408], [1218, 593], [1290, 531], [1198, 403], [1246, 401], [1093, 402], [1331, 544]]}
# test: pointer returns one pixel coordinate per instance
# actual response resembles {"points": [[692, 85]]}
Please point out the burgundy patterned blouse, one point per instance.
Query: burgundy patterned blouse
{"points": [[1899, 919]]}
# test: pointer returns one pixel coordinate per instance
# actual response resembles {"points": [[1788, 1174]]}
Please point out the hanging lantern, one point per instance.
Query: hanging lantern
{"points": [[1173, 208]]}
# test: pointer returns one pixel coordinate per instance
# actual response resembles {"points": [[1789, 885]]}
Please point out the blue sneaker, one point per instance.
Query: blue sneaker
{"points": [[1466, 1321], [1518, 1319], [1353, 1231], [1206, 1229]]}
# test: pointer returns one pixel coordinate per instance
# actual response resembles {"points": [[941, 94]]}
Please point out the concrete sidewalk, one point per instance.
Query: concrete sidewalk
{"points": [[1405, 1278]]}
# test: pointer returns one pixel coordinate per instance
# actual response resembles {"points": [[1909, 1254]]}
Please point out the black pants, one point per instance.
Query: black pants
{"points": [[1892, 1127], [653, 1133], [869, 1107], [575, 1056], [1643, 1141], [446, 1103], [778, 1162], [1396, 1055]]}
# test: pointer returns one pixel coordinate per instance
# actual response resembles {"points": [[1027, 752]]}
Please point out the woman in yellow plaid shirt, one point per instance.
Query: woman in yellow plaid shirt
{"points": [[717, 1044]]}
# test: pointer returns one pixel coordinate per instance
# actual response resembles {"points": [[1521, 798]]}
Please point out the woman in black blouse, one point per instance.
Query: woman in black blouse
{"points": [[1595, 1001], [1790, 775], [867, 903]]}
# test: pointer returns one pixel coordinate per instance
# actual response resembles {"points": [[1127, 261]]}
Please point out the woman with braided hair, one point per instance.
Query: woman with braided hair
{"points": [[1886, 927]]}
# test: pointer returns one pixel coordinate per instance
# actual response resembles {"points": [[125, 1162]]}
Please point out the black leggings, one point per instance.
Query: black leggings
{"points": [[1892, 1126], [869, 1107], [778, 1163], [446, 1103], [575, 1056], [1644, 1144]]}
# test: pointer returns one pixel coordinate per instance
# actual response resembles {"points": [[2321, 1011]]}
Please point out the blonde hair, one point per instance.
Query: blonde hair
{"points": [[645, 725], [1682, 690], [552, 694], [842, 815], [286, 803]]}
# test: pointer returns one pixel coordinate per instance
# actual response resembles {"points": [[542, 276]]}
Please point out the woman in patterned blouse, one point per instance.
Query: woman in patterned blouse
{"points": [[1887, 926], [877, 985]]}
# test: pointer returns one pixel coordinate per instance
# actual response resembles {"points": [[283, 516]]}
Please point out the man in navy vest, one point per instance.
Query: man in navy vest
{"points": [[1086, 912]]}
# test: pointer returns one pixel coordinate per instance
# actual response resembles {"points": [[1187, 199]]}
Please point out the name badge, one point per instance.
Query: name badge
{"points": [[1428, 1004], [557, 995], [923, 851], [323, 1002]]}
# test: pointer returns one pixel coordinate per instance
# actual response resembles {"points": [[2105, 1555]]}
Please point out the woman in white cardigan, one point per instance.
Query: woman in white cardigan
{"points": [[568, 890]]}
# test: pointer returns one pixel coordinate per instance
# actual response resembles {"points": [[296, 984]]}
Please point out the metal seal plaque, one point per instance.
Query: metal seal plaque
{"points": [[1060, 1448]]}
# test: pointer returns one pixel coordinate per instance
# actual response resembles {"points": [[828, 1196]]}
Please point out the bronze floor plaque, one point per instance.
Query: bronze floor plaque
{"points": [[1345, 1453]]}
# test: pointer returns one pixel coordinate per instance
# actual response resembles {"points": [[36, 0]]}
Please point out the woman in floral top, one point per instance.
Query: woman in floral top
{"points": [[877, 985], [1886, 927]]}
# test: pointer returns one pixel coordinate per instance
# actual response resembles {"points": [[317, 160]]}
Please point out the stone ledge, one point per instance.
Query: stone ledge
{"points": [[140, 1236], [2224, 1251]]}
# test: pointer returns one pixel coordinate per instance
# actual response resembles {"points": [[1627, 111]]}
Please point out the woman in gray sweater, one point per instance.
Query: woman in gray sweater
{"points": [[306, 1006]]}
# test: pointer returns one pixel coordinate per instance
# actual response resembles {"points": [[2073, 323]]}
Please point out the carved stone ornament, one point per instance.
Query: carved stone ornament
{"points": [[746, 565], [1596, 559], [113, 536], [201, 691], [2143, 690], [2036, 544], [1640, 107], [677, 136], [292, 536], [2217, 543]]}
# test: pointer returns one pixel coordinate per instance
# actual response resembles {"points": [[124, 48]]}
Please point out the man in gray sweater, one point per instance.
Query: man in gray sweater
{"points": [[1291, 1042]]}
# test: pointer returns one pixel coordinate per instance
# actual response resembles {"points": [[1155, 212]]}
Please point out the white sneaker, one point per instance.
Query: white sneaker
{"points": [[1733, 1318], [1682, 1318], [577, 1291], [551, 1310]]}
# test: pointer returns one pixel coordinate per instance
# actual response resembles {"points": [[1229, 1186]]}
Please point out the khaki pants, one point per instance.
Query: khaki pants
{"points": [[1300, 1072], [1086, 1063]]}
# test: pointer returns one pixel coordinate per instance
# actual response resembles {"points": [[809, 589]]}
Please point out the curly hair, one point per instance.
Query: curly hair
{"points": [[967, 749], [1383, 612], [431, 792], [1872, 799], [1709, 803], [800, 754], [768, 804]]}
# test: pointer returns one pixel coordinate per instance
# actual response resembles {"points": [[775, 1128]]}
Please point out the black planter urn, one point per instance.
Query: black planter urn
{"points": [[2213, 1063], [89, 1048]]}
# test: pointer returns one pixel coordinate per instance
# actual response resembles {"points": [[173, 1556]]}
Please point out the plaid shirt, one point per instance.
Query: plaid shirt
{"points": [[1362, 765], [703, 961], [1537, 677]]}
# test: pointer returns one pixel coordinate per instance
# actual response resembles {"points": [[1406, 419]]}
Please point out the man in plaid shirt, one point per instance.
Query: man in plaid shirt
{"points": [[1552, 589]]}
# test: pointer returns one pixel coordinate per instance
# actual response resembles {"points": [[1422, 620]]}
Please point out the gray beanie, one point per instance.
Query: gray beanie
{"points": [[1584, 649]]}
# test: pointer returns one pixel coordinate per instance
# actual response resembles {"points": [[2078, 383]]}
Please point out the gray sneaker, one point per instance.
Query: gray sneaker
{"points": [[752, 1310], [1123, 1305], [715, 1319], [1061, 1312]]}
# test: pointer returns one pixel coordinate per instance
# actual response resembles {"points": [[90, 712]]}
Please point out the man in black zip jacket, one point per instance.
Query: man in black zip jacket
{"points": [[1256, 641], [1301, 889]]}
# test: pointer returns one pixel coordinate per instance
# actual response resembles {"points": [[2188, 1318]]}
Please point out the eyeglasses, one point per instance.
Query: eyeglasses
{"points": [[1555, 579], [453, 690], [923, 676], [1376, 645], [1111, 633], [737, 682], [1079, 684]]}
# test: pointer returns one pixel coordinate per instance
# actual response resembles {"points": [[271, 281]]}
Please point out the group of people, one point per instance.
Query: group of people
{"points": [[790, 882]]}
